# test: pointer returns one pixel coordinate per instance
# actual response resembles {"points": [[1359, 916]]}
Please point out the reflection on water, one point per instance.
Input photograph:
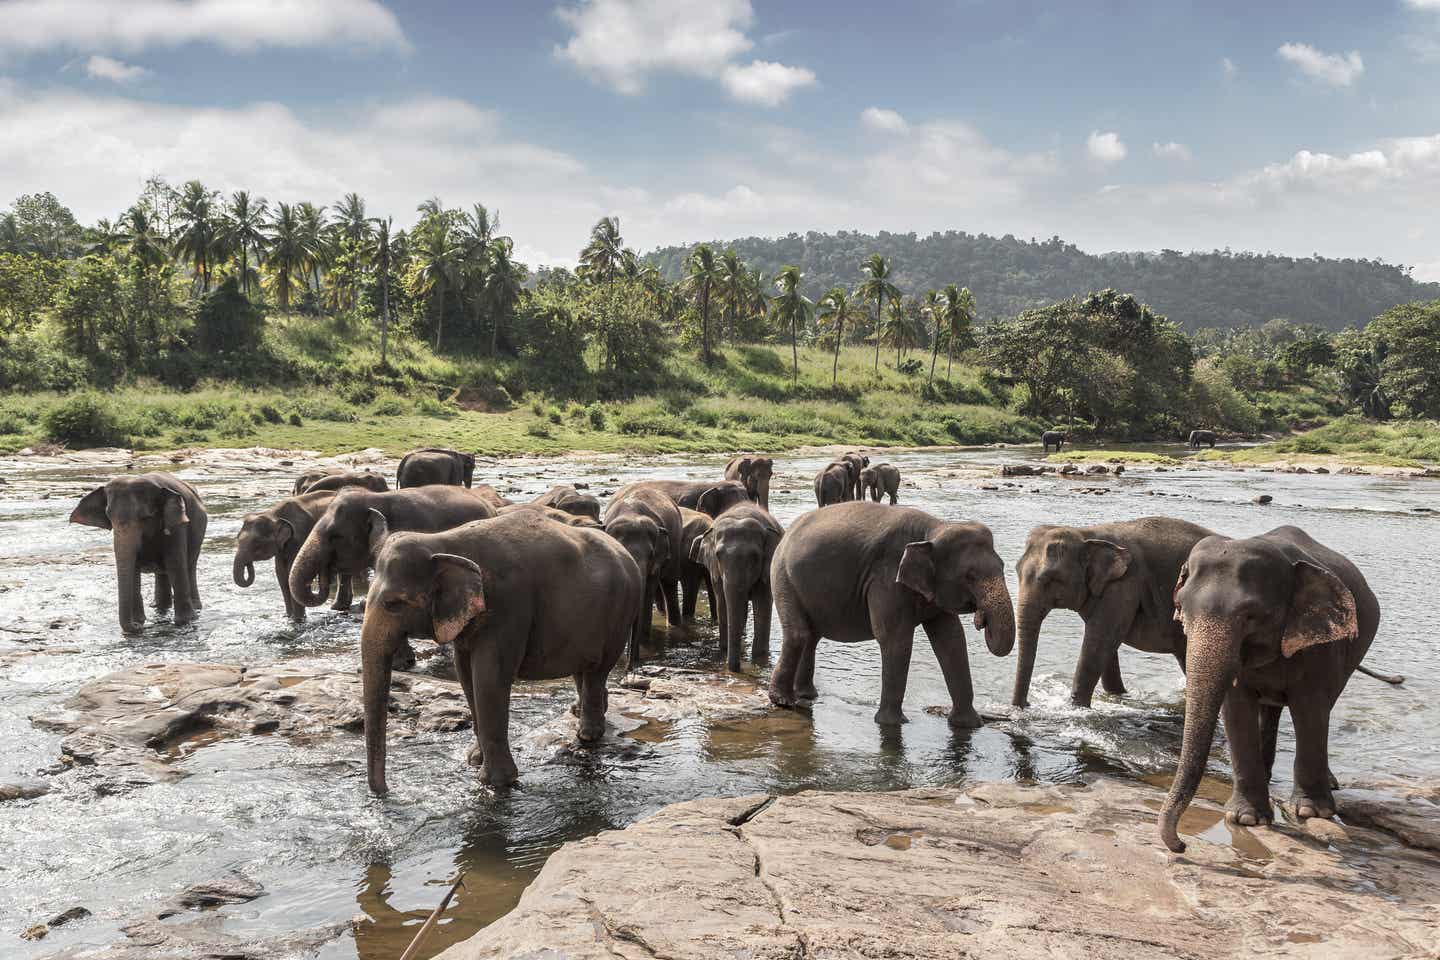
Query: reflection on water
{"points": [[296, 816]]}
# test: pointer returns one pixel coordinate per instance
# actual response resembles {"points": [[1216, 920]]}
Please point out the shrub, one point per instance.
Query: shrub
{"points": [[538, 428], [237, 424], [295, 421], [596, 413], [554, 415], [391, 406], [270, 413], [82, 420]]}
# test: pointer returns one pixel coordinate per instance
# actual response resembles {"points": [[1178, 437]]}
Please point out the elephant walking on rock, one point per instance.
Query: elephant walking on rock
{"points": [[881, 478], [861, 571], [1271, 622], [157, 524]]}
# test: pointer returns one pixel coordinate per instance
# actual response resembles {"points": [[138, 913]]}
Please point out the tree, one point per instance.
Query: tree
{"points": [[45, 226], [286, 252], [792, 309], [835, 309], [702, 276], [1407, 340], [197, 238], [877, 287], [146, 250], [600, 260], [354, 229], [383, 252], [504, 284], [733, 280], [26, 288], [958, 310], [437, 259], [311, 221], [244, 234], [475, 238], [931, 306], [90, 296]]}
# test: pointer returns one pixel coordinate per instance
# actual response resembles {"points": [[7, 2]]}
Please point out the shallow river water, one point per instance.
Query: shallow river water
{"points": [[298, 819]]}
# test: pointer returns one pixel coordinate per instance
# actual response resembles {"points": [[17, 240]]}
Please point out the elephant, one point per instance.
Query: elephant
{"points": [[565, 497], [342, 541], [1118, 577], [1273, 621], [647, 523], [860, 570], [755, 472], [881, 478], [736, 552], [490, 495], [693, 572], [832, 485], [855, 464], [335, 480], [712, 497], [278, 533], [551, 513], [1055, 438], [435, 465], [158, 524], [518, 597], [1199, 438]]}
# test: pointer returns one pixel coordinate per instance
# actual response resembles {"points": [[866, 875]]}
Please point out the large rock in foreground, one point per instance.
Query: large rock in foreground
{"points": [[991, 871]]}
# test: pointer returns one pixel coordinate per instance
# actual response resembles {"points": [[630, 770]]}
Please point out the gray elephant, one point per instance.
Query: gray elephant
{"points": [[711, 497], [565, 497], [832, 484], [157, 524], [518, 598], [277, 534], [693, 573], [550, 513], [490, 495], [342, 542], [1053, 438], [1200, 438], [647, 523], [1274, 621], [1118, 577], [854, 463], [861, 571], [755, 472], [316, 481], [435, 465], [881, 478], [736, 552]]}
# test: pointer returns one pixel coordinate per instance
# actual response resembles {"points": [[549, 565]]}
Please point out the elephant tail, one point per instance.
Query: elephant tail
{"points": [[1394, 679]]}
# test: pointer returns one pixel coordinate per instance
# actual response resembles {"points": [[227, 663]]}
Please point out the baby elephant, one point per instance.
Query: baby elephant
{"points": [[737, 552], [881, 478], [520, 597], [158, 523], [1271, 622], [858, 571]]}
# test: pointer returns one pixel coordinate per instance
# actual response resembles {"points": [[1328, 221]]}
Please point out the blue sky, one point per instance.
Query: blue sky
{"points": [[1288, 127]]}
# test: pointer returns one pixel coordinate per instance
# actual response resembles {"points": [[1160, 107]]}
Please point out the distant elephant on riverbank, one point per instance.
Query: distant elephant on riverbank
{"points": [[277, 533], [435, 465], [832, 485], [755, 472], [1118, 577], [157, 524], [1199, 438], [317, 481], [1053, 438], [518, 598], [861, 571], [881, 478], [1271, 622], [855, 463], [736, 553]]}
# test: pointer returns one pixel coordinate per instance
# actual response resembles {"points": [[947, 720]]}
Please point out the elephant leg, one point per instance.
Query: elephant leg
{"points": [[689, 594], [1249, 802], [162, 592], [1269, 733], [763, 604], [797, 638], [895, 648], [721, 611], [594, 701], [947, 639], [293, 608], [1111, 681], [345, 594], [492, 716], [805, 675], [197, 541], [136, 603], [177, 572], [1099, 648], [1312, 796], [672, 603], [710, 597], [476, 755]]}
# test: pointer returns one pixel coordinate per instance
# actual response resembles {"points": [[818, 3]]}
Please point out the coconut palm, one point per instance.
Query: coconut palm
{"points": [[287, 254], [792, 309], [835, 308], [702, 277], [958, 309], [504, 284], [382, 252], [102, 239], [244, 233], [475, 236], [353, 230], [930, 307], [877, 287], [732, 280], [757, 301], [312, 233], [602, 256], [438, 262], [197, 235], [146, 248]]}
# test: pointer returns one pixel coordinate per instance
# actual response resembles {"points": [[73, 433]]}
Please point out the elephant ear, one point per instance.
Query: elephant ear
{"points": [[1180, 582], [712, 501], [1104, 563], [175, 514], [458, 597], [662, 546], [917, 568], [772, 543], [90, 511], [284, 532], [1322, 610], [697, 549], [379, 530]]}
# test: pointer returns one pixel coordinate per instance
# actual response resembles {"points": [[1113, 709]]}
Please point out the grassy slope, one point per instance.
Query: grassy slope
{"points": [[1348, 440]]}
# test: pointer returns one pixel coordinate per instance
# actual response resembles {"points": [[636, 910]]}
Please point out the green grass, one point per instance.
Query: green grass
{"points": [[1349, 440], [1116, 456]]}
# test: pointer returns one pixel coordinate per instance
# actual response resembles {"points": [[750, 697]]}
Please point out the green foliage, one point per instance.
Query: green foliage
{"points": [[228, 323], [82, 420]]}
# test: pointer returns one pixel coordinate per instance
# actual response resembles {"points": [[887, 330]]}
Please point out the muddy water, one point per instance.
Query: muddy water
{"points": [[298, 819]]}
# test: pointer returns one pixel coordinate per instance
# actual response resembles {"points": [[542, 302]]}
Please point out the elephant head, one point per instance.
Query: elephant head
{"points": [[342, 542], [416, 592], [721, 497], [959, 571], [262, 537], [647, 542], [140, 512], [1244, 604], [755, 473]]}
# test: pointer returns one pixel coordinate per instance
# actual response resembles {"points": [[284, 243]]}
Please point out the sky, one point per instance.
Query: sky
{"points": [[1285, 127]]}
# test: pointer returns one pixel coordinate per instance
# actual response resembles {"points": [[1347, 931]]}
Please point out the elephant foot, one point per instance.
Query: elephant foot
{"points": [[499, 773], [807, 691], [1313, 803], [133, 629], [403, 658], [781, 697], [891, 717], [966, 719], [475, 757], [1082, 701], [1247, 812], [591, 730], [575, 709], [184, 617]]}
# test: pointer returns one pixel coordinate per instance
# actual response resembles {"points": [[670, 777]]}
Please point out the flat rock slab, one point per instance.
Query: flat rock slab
{"points": [[995, 870]]}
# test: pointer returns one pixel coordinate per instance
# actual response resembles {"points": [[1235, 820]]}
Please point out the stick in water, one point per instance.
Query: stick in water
{"points": [[413, 951], [1393, 678]]}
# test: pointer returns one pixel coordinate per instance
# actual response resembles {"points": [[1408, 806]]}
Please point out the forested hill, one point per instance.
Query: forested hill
{"points": [[1007, 275]]}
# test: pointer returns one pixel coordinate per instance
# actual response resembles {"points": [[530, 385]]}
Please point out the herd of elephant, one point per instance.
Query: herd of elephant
{"points": [[558, 587]]}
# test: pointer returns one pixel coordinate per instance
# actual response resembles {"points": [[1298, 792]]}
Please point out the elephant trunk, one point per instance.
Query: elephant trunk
{"points": [[764, 492], [736, 600], [1033, 612], [1207, 678], [310, 562], [995, 614], [243, 569], [375, 644], [127, 578]]}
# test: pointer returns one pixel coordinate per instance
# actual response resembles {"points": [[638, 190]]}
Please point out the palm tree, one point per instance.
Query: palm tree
{"points": [[835, 307], [312, 233], [757, 301], [504, 284], [354, 229], [437, 256], [475, 237], [197, 237], [288, 255], [959, 311], [10, 239], [877, 287], [102, 239], [732, 280], [243, 230], [602, 256], [905, 327], [931, 308], [702, 274], [382, 252], [792, 309], [145, 246]]}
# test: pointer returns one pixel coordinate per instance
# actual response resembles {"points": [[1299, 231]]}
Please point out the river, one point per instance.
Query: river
{"points": [[297, 817]]}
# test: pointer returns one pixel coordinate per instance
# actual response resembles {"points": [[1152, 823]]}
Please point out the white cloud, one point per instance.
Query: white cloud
{"points": [[620, 43], [116, 71], [1335, 69], [1423, 4], [32, 26], [1428, 271], [1228, 68], [1105, 147], [886, 121], [1170, 150]]}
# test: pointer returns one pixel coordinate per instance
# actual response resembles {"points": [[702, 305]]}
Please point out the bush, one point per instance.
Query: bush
{"points": [[596, 413], [83, 421], [554, 415], [391, 406], [295, 421], [270, 413], [538, 428]]}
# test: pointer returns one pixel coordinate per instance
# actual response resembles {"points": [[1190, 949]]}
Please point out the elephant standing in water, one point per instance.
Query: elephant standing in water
{"points": [[881, 478], [157, 524], [861, 571], [1200, 438], [1053, 438], [710, 497], [520, 598], [1119, 578], [692, 572], [565, 497], [736, 552], [435, 465], [832, 485], [854, 464], [278, 533], [755, 472], [332, 479], [648, 524], [1275, 621]]}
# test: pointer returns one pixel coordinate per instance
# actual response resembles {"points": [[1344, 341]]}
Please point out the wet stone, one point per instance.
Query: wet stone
{"points": [[23, 790]]}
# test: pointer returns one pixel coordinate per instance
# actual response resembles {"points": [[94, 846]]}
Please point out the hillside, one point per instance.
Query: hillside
{"points": [[1008, 275]]}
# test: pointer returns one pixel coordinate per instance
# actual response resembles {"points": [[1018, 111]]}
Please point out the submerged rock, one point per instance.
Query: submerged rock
{"points": [[998, 870]]}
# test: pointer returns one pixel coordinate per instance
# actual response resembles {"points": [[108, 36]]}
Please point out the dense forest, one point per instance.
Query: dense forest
{"points": [[1008, 275]]}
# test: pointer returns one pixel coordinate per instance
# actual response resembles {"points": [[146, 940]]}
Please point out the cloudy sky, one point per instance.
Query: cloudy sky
{"points": [[1293, 127]]}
